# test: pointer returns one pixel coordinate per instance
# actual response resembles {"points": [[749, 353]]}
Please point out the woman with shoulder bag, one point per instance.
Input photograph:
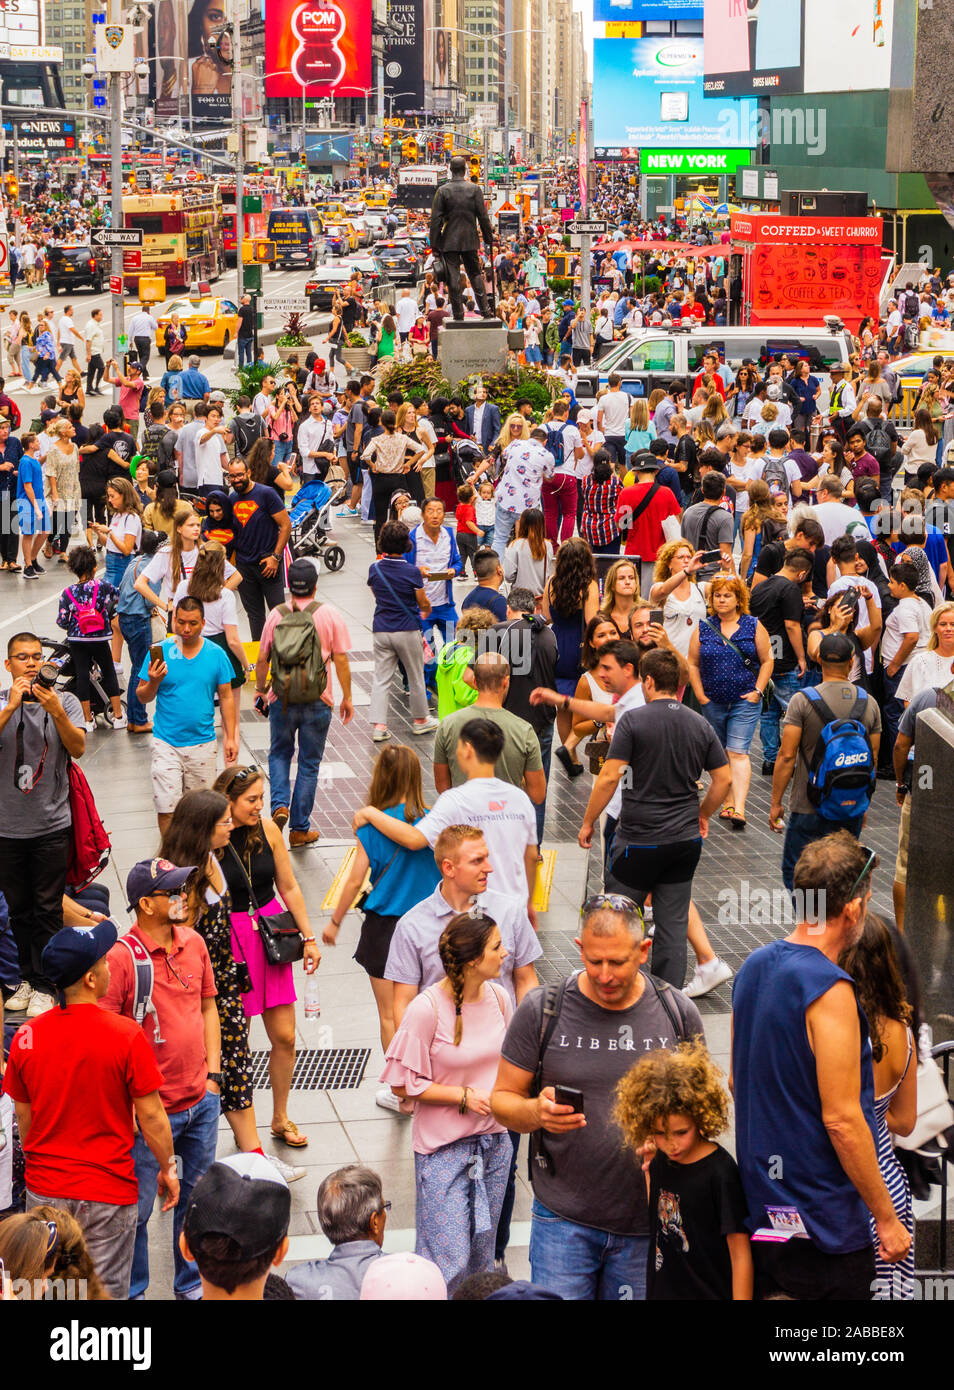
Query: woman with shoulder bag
{"points": [[199, 830], [399, 879], [571, 598], [260, 879], [444, 1057]]}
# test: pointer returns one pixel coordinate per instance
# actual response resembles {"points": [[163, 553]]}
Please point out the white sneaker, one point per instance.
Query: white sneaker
{"points": [[288, 1171], [388, 1100], [428, 727], [90, 726], [707, 977], [379, 735], [120, 723], [39, 1004], [20, 1000]]}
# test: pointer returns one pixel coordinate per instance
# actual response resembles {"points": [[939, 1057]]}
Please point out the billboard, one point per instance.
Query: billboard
{"points": [[404, 57], [191, 69], [795, 46], [648, 93], [442, 19], [316, 48], [21, 22], [646, 9]]}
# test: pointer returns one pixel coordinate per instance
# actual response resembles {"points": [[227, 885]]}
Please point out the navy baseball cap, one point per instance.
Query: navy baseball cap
{"points": [[154, 876], [302, 578], [74, 950], [645, 462]]}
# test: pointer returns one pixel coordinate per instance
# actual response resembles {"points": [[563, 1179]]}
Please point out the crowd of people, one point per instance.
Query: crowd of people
{"points": [[651, 583]]}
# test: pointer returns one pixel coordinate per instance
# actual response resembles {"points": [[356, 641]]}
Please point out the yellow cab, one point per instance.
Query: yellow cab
{"points": [[342, 229], [209, 321], [376, 197]]}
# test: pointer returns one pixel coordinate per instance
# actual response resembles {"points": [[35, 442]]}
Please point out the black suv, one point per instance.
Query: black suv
{"points": [[69, 267], [399, 260]]}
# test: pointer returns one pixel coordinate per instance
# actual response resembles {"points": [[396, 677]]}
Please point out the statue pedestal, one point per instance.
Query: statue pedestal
{"points": [[474, 345]]}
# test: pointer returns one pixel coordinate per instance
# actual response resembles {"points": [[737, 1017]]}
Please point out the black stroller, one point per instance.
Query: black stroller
{"points": [[57, 653]]}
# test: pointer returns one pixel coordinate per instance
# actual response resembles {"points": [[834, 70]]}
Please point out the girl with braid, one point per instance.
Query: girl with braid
{"points": [[444, 1057]]}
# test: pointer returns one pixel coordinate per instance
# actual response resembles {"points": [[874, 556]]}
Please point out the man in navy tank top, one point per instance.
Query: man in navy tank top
{"points": [[804, 1093]]}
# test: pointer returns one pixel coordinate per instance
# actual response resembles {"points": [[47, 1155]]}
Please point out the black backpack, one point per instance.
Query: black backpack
{"points": [[878, 444], [245, 431]]}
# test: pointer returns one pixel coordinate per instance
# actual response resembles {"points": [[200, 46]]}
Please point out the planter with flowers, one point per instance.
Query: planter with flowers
{"points": [[292, 339]]}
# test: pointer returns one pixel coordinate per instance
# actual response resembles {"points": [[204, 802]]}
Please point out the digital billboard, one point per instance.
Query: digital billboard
{"points": [[646, 9], [648, 93], [404, 56], [192, 59], [317, 48], [796, 46]]}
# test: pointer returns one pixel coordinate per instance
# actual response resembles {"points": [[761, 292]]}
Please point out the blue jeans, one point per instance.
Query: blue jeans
{"points": [[243, 352], [546, 755], [137, 634], [26, 364], [116, 567], [735, 723], [802, 830], [283, 451], [584, 1264], [194, 1134], [311, 723], [504, 526], [442, 621], [786, 685]]}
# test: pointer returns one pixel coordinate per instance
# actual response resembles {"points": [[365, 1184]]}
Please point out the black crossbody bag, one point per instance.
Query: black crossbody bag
{"points": [[282, 942]]}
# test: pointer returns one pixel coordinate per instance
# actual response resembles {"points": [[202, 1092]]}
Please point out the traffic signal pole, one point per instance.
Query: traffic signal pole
{"points": [[116, 193], [240, 158]]}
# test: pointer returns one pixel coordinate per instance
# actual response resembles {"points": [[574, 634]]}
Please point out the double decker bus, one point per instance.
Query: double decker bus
{"points": [[256, 223], [182, 234], [417, 184]]}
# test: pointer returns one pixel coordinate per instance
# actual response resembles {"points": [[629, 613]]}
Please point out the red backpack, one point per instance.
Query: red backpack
{"points": [[90, 847]]}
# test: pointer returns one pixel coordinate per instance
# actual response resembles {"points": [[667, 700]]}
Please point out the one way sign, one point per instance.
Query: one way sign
{"points": [[586, 227], [118, 236]]}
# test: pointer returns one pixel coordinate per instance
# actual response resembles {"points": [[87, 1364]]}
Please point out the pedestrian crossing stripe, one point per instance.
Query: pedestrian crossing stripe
{"points": [[541, 890]]}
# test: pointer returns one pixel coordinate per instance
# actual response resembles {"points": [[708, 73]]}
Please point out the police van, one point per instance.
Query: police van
{"points": [[655, 357]]}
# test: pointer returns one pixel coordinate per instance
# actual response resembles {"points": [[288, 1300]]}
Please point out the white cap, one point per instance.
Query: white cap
{"points": [[403, 1278]]}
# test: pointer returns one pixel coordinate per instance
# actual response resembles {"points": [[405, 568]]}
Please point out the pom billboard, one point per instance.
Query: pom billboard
{"points": [[318, 49]]}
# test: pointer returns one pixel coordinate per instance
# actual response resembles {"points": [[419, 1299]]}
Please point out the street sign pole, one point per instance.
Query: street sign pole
{"points": [[116, 191], [240, 159]]}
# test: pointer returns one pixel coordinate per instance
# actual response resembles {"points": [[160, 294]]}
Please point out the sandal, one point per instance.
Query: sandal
{"points": [[289, 1134], [737, 820], [727, 813]]}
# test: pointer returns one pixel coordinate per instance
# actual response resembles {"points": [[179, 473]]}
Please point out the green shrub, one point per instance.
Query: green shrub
{"points": [[250, 379], [560, 284], [422, 376], [506, 388]]}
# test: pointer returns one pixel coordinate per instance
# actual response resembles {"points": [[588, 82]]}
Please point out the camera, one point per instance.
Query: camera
{"points": [[46, 678], [284, 438]]}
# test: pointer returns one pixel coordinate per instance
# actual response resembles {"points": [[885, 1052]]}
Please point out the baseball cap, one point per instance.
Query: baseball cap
{"points": [[584, 417], [73, 950], [836, 648], [244, 1198], [644, 462], [301, 578], [217, 398], [167, 477], [837, 367], [403, 1278], [154, 876]]}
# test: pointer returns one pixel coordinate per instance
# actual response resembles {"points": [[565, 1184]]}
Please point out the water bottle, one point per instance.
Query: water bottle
{"points": [[312, 997]]}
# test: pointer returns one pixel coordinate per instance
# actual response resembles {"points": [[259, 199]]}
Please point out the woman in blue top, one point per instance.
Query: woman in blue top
{"points": [[32, 511], [807, 388], [399, 878], [730, 666]]}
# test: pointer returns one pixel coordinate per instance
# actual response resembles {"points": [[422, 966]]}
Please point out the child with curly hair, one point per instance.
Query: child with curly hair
{"points": [[669, 1106]]}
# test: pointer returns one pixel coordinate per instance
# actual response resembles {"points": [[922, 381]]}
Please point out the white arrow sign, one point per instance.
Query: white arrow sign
{"points": [[118, 236], [287, 303]]}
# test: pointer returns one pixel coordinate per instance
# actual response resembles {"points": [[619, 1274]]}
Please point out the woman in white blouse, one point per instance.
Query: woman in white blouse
{"points": [[935, 666]]}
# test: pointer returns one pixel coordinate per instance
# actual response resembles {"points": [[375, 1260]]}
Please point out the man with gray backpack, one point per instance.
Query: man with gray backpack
{"points": [[302, 640]]}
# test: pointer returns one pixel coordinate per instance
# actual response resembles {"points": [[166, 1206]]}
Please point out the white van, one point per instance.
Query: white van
{"points": [[658, 356]]}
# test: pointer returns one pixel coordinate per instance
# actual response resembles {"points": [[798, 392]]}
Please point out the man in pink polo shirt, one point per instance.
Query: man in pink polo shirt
{"points": [[169, 962], [311, 720]]}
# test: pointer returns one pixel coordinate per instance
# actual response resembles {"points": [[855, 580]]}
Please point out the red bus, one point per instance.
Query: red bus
{"points": [[256, 223], [182, 234]]}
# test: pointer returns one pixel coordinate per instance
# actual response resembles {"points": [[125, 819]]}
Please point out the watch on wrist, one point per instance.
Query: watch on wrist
{"points": [[215, 1076]]}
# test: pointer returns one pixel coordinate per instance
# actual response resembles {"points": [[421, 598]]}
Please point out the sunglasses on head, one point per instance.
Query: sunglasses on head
{"points": [[244, 775], [871, 863]]}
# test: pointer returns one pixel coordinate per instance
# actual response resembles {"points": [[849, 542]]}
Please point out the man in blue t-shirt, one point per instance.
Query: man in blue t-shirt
{"points": [[184, 684], [262, 530]]}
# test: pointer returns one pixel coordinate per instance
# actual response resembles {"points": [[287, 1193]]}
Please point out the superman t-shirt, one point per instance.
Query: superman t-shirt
{"points": [[253, 516]]}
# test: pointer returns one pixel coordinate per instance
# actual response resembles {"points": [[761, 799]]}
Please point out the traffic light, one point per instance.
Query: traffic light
{"points": [[448, 140], [386, 142], [572, 137], [132, 180], [13, 189], [475, 166]]}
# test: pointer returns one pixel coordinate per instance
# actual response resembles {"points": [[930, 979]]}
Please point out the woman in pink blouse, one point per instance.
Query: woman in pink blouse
{"points": [[444, 1057]]}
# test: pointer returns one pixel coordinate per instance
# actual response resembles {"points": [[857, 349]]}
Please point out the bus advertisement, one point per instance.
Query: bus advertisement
{"points": [[417, 184], [182, 235]]}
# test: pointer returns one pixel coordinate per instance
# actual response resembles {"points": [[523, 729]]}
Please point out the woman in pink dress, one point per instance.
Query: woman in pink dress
{"points": [[444, 1057]]}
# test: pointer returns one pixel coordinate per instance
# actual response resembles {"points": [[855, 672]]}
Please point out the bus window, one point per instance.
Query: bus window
{"points": [[149, 225]]}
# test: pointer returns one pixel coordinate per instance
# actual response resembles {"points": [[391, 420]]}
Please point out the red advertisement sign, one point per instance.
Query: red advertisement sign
{"points": [[115, 284], [317, 48], [801, 284], [795, 231]]}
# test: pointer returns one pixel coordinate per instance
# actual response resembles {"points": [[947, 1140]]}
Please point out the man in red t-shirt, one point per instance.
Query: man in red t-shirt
{"points": [[75, 1075], [640, 512], [182, 1027]]}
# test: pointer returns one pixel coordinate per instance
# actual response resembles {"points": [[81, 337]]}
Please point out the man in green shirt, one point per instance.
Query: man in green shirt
{"points": [[519, 762]]}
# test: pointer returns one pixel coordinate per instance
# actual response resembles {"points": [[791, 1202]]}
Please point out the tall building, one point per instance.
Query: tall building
{"points": [[518, 21], [482, 52], [68, 26]]}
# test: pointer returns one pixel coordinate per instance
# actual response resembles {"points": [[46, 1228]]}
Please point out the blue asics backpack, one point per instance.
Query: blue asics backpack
{"points": [[843, 770]]}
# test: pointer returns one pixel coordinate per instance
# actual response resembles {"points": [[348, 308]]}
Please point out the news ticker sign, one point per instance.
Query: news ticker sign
{"points": [[42, 135]]}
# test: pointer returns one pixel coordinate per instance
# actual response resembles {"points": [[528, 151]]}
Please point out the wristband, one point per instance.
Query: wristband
{"points": [[566, 702], [462, 1108]]}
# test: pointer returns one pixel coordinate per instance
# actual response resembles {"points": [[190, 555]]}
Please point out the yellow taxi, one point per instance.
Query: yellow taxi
{"points": [[376, 198], [343, 234], [331, 211], [208, 322]]}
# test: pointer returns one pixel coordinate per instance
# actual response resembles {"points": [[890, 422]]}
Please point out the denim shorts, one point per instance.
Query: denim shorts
{"points": [[735, 724]]}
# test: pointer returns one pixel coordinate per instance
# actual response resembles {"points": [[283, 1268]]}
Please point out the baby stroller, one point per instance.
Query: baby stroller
{"points": [[310, 517], [57, 653]]}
